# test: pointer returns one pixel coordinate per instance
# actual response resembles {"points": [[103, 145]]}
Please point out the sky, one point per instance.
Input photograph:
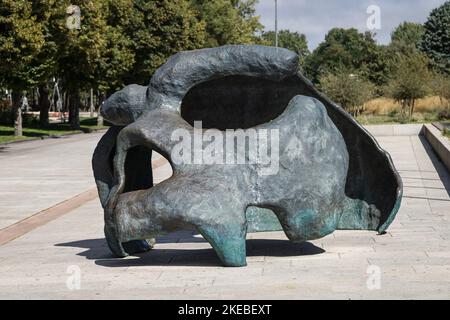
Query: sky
{"points": [[315, 18]]}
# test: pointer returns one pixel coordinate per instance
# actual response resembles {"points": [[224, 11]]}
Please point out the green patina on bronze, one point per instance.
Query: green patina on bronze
{"points": [[332, 173]]}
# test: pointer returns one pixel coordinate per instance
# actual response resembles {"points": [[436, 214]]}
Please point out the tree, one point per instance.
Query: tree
{"points": [[45, 62], [293, 41], [157, 30], [98, 55], [80, 50], [351, 50], [440, 85], [228, 21], [348, 89], [21, 40], [121, 42], [407, 37], [409, 81], [436, 39], [118, 57]]}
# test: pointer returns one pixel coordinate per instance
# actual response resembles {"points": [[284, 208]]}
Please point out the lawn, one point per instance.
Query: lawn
{"points": [[426, 117], [55, 129]]}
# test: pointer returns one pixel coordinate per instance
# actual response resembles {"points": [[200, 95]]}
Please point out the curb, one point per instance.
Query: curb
{"points": [[439, 143]]}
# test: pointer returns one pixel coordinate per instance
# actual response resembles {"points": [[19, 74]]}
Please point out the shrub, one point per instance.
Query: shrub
{"points": [[347, 89], [444, 115], [410, 80]]}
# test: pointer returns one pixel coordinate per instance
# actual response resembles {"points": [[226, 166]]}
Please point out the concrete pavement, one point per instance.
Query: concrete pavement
{"points": [[412, 261], [37, 175]]}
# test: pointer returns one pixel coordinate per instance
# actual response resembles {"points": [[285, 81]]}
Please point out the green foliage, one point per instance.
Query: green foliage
{"points": [[293, 41], [444, 115], [440, 86], [228, 21], [407, 37], [119, 41], [80, 51], [436, 39], [351, 50], [347, 89], [410, 80], [6, 118], [157, 30], [22, 38]]}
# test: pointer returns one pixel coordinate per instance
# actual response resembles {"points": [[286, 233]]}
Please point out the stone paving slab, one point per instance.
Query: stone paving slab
{"points": [[413, 258], [36, 175]]}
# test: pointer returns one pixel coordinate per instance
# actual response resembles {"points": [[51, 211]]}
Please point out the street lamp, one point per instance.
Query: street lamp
{"points": [[276, 23]]}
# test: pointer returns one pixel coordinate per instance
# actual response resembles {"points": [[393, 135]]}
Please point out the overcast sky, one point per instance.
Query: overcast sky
{"points": [[315, 17]]}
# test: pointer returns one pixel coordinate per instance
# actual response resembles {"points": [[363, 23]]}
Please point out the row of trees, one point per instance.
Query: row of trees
{"points": [[119, 42], [352, 68], [124, 41]]}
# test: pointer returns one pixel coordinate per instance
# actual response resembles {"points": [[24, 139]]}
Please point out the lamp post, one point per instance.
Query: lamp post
{"points": [[276, 23]]}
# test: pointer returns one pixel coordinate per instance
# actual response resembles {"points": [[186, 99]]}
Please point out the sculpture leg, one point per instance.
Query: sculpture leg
{"points": [[113, 242], [308, 224], [228, 243]]}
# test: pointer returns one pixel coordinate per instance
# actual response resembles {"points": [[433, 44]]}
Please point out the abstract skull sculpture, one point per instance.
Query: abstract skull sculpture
{"points": [[331, 173]]}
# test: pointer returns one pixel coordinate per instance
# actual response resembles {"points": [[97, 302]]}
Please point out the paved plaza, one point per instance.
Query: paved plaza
{"points": [[412, 261]]}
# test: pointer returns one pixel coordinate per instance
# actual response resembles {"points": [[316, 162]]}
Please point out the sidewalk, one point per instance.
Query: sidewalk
{"points": [[413, 258], [37, 175]]}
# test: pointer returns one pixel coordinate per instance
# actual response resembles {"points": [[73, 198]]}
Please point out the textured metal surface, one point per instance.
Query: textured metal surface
{"points": [[332, 173]]}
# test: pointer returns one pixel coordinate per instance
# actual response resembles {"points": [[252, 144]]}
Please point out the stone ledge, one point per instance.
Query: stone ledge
{"points": [[440, 144], [385, 130]]}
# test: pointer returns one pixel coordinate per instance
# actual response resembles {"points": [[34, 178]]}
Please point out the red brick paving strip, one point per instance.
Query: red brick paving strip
{"points": [[39, 219]]}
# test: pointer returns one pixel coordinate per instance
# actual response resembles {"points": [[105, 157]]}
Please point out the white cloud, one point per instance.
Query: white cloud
{"points": [[316, 18]]}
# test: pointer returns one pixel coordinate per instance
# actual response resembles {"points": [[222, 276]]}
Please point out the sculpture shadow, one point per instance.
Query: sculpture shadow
{"points": [[203, 257]]}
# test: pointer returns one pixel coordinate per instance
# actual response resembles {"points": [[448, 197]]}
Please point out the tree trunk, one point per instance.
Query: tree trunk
{"points": [[411, 110], [17, 114], [101, 99], [33, 102], [91, 103], [44, 105], [74, 109]]}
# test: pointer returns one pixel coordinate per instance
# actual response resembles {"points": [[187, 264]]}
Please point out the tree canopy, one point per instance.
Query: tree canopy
{"points": [[347, 49], [228, 21], [410, 80], [22, 38], [407, 37], [436, 39], [347, 89], [293, 41]]}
